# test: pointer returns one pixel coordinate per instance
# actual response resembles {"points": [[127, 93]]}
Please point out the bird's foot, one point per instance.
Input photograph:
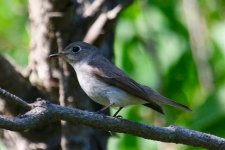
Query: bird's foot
{"points": [[118, 116], [100, 111]]}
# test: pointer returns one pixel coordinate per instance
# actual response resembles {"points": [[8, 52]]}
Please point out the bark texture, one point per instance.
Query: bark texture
{"points": [[53, 25], [41, 112]]}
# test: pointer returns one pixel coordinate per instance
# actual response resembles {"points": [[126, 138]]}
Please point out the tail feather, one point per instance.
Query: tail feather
{"points": [[155, 106], [156, 97]]}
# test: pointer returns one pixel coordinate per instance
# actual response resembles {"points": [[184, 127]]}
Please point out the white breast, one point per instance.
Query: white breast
{"points": [[92, 86], [103, 93]]}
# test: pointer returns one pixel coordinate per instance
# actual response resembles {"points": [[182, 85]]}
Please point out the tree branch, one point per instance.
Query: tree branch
{"points": [[12, 80], [105, 21], [98, 26], [197, 28], [9, 77], [43, 112], [94, 8], [14, 99]]}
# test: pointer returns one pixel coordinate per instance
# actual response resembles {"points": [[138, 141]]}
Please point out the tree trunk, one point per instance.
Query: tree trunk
{"points": [[53, 25]]}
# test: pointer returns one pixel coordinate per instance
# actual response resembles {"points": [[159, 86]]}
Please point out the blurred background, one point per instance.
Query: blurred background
{"points": [[175, 47]]}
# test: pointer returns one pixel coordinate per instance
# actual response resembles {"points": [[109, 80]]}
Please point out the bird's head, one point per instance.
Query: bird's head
{"points": [[76, 52]]}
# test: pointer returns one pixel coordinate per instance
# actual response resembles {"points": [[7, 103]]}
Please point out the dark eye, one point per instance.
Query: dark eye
{"points": [[75, 49]]}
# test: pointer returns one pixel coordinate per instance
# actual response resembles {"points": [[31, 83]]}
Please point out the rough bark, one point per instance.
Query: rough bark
{"points": [[42, 112], [53, 25], [13, 81]]}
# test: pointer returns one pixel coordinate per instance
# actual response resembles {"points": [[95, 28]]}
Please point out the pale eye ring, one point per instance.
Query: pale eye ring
{"points": [[76, 49]]}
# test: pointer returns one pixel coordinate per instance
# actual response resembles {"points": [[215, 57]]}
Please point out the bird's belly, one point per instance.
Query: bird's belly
{"points": [[95, 89], [105, 94], [121, 98]]}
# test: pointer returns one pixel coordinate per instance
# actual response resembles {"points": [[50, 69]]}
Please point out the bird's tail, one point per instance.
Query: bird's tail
{"points": [[155, 96]]}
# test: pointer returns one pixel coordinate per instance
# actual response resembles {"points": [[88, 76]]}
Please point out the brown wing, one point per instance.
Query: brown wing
{"points": [[112, 75], [106, 71], [109, 73]]}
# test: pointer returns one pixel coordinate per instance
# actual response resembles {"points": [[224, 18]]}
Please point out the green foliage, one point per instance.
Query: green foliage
{"points": [[153, 46], [14, 39]]}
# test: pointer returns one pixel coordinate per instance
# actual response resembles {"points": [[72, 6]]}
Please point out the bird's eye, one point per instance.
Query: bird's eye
{"points": [[75, 49]]}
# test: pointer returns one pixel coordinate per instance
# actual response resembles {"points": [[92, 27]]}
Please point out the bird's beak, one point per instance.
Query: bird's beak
{"points": [[59, 54]]}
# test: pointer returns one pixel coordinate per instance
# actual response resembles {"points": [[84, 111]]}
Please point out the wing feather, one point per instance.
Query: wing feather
{"points": [[112, 75]]}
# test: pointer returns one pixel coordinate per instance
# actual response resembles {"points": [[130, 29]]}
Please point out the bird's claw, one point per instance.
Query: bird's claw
{"points": [[119, 117]]}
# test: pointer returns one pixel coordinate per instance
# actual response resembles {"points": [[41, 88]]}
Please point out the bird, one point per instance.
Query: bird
{"points": [[108, 85]]}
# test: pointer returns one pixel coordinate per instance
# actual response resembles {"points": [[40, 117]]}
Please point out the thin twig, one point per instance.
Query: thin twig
{"points": [[197, 29], [98, 26], [14, 99], [94, 8], [62, 93]]}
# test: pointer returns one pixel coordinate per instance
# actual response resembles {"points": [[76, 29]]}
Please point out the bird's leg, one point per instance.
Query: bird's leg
{"points": [[104, 108], [115, 115]]}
